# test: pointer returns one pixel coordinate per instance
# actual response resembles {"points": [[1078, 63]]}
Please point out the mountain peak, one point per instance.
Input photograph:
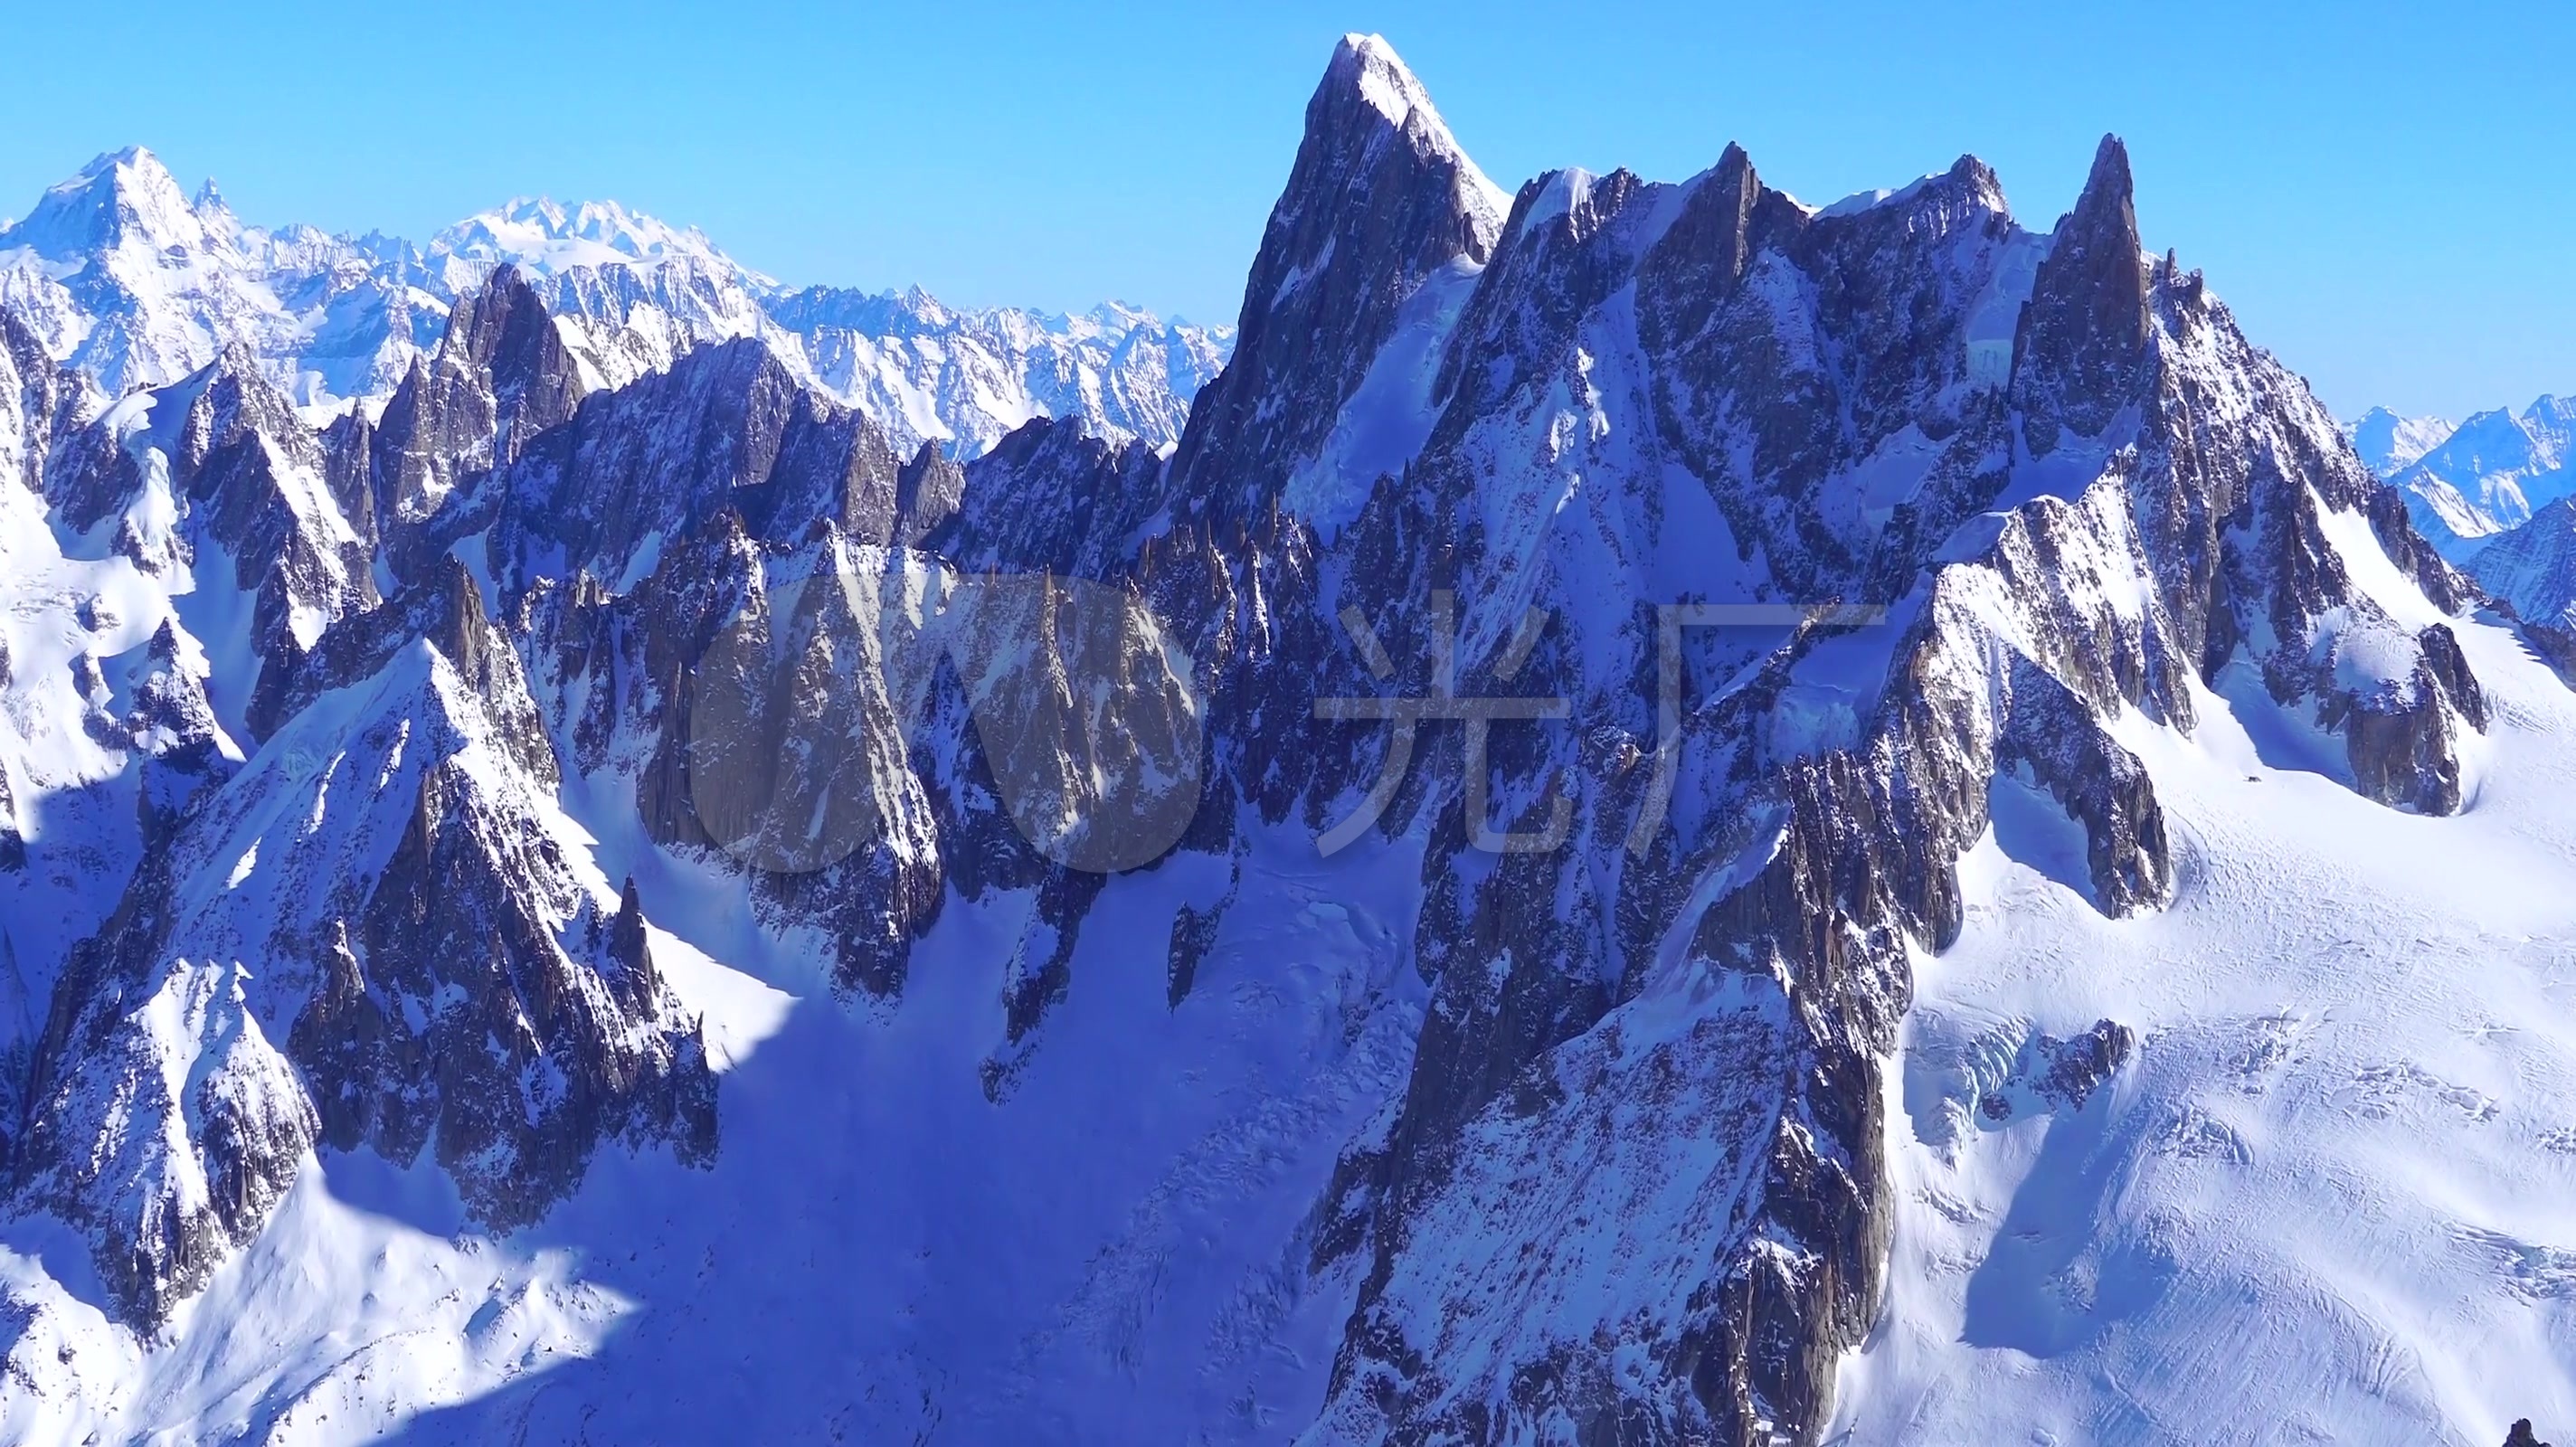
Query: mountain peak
{"points": [[2086, 323], [1368, 66], [2387, 441], [2110, 168], [2105, 215], [1380, 199], [120, 195], [1367, 82], [130, 158], [547, 237]]}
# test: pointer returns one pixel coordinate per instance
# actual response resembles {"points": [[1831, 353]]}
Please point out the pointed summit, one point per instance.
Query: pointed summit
{"points": [[2107, 209], [1367, 79], [1381, 198], [2086, 325], [2388, 443], [122, 197], [1702, 257]]}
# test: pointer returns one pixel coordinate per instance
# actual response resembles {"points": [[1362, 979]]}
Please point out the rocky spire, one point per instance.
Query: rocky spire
{"points": [[502, 374], [927, 492], [2086, 325], [507, 333], [1380, 198], [1702, 257], [631, 952]]}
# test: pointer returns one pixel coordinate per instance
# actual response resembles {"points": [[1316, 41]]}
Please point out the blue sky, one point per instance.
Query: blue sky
{"points": [[2387, 197]]}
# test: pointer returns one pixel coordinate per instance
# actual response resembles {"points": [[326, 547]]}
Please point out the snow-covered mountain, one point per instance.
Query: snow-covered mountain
{"points": [[2533, 567], [2532, 571], [127, 280], [1611, 848], [2388, 442], [547, 238], [2489, 474]]}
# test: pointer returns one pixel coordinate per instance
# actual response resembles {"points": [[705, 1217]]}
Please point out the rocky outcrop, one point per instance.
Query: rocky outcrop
{"points": [[2074, 491], [2084, 332], [171, 727], [727, 427], [502, 375], [433, 964], [927, 492], [1380, 197], [40, 404], [1051, 498]]}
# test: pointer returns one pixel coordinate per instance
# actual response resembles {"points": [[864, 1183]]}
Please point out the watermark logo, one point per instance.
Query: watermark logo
{"points": [[808, 709], [1477, 715]]}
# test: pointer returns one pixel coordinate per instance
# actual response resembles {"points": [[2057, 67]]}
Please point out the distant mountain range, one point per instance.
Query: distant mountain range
{"points": [[124, 277], [2466, 483], [2496, 495]]}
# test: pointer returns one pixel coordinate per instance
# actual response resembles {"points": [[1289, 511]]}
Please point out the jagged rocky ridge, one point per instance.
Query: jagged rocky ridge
{"points": [[2005, 495], [121, 275]]}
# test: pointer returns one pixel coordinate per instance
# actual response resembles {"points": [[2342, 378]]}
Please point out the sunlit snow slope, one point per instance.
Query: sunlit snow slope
{"points": [[2334, 1200]]}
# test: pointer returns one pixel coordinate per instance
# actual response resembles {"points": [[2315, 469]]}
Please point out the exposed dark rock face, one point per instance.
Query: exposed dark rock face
{"points": [[727, 427], [1784, 358], [927, 492], [41, 404], [502, 374], [2522, 1436], [246, 480], [539, 1027], [1050, 498], [434, 968], [2085, 330], [2053, 1074], [1380, 197]]}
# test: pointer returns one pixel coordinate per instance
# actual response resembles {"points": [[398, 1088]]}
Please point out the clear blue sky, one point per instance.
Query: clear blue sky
{"points": [[2387, 197]]}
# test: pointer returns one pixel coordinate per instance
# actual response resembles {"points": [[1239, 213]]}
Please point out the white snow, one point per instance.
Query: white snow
{"points": [[2334, 1199], [543, 235], [1389, 415], [2387, 442], [121, 276], [852, 1262]]}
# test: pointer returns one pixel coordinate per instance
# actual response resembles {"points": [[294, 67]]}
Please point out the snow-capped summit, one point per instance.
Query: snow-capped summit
{"points": [[1368, 67], [2388, 442], [119, 204], [1381, 207], [2081, 957], [2491, 474], [543, 236], [118, 273]]}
